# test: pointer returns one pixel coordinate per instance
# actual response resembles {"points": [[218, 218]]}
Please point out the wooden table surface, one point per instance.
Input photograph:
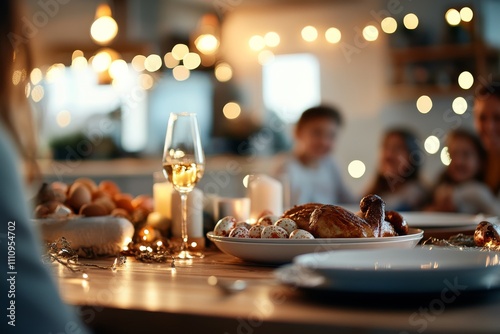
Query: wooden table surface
{"points": [[153, 298]]}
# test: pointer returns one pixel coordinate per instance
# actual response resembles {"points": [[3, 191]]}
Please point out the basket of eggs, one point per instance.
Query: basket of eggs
{"points": [[96, 218]]}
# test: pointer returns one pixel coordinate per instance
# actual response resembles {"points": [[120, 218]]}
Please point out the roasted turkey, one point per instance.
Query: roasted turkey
{"points": [[332, 221]]}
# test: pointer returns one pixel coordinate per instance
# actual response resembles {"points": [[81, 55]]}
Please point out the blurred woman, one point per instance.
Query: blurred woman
{"points": [[34, 306], [487, 123], [397, 179], [460, 187]]}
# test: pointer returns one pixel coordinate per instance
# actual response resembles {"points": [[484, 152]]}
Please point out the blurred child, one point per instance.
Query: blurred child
{"points": [[459, 189], [397, 180], [310, 172]]}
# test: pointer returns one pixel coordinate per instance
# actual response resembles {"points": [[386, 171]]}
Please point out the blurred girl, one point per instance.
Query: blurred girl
{"points": [[397, 180], [487, 123], [460, 189]]}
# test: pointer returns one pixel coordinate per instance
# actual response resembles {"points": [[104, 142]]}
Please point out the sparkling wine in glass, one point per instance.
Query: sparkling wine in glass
{"points": [[183, 165]]}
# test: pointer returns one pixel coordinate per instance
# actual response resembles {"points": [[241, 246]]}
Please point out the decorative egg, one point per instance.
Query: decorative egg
{"points": [[239, 232], [274, 232], [301, 234], [78, 196], [244, 224], [255, 231], [287, 224], [93, 210], [89, 183], [224, 226], [267, 220]]}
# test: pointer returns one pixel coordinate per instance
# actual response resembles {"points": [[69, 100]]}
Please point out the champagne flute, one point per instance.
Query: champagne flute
{"points": [[183, 165]]}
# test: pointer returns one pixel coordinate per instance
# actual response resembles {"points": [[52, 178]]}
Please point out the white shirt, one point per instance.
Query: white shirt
{"points": [[321, 183]]}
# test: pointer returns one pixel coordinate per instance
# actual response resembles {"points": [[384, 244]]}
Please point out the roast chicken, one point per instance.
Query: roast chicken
{"points": [[332, 221]]}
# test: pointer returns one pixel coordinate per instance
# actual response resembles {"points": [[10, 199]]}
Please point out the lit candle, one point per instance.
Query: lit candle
{"points": [[265, 193], [239, 208], [162, 197]]}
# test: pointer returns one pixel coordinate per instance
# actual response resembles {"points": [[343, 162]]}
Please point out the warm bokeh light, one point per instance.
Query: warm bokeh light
{"points": [[138, 63], [333, 35], [431, 144], [37, 93], [410, 21], [170, 61], [452, 16], [180, 73], [309, 33], [179, 51], [231, 110], [101, 61], [103, 30], [55, 72], [152, 63], [207, 44], [245, 181], [76, 54], [146, 81], [424, 104], [118, 68], [27, 90], [223, 72], [389, 25], [265, 56], [459, 105], [16, 77], [356, 169], [465, 80], [79, 63], [445, 156], [466, 14], [256, 43], [63, 118], [370, 33], [191, 60], [272, 39]]}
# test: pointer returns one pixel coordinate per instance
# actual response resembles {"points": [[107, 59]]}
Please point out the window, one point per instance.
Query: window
{"points": [[291, 84]]}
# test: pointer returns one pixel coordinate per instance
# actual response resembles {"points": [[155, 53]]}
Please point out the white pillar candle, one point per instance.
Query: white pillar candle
{"points": [[162, 198], [266, 194], [239, 208], [194, 214]]}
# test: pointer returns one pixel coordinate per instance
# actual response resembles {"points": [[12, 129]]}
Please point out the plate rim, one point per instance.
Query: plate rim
{"points": [[423, 249], [417, 234], [464, 219]]}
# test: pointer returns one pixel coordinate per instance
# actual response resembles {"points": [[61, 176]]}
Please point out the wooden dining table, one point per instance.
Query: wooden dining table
{"points": [[143, 297]]}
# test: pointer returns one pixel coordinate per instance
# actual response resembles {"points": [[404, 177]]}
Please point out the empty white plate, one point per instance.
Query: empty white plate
{"points": [[441, 219], [422, 269]]}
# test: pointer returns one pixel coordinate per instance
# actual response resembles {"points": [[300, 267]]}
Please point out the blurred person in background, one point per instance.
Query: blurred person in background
{"points": [[310, 172], [487, 123], [460, 187], [397, 180], [34, 305]]}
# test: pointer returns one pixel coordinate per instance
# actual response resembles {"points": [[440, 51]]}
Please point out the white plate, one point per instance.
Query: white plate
{"points": [[284, 250], [414, 270], [441, 219]]}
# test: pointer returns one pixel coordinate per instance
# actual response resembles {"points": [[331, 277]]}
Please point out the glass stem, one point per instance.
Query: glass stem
{"points": [[184, 233]]}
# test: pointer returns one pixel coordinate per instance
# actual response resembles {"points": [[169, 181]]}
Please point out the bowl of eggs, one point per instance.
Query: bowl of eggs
{"points": [[275, 240]]}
